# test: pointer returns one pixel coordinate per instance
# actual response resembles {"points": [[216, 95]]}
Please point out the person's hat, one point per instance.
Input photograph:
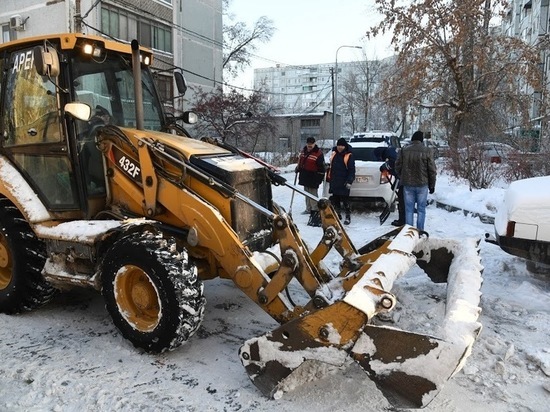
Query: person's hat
{"points": [[310, 140], [341, 142], [418, 135]]}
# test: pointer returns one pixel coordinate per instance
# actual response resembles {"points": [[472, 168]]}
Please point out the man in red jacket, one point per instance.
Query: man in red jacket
{"points": [[311, 169]]}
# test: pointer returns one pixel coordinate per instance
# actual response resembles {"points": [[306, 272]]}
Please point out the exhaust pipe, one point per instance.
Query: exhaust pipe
{"points": [[138, 92]]}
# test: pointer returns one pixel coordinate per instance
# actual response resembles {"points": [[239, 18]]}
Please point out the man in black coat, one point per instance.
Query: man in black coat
{"points": [[341, 175], [311, 169], [416, 166]]}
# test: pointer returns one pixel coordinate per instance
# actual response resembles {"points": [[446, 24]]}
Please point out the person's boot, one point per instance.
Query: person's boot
{"points": [[348, 220], [314, 219]]}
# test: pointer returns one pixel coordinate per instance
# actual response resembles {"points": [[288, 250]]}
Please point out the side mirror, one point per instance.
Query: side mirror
{"points": [[181, 84], [46, 61], [81, 111]]}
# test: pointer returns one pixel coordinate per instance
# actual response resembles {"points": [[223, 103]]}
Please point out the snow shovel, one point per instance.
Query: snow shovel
{"points": [[292, 197], [387, 209]]}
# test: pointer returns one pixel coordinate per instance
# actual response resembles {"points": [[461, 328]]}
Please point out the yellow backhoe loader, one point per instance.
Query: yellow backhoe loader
{"points": [[100, 188]]}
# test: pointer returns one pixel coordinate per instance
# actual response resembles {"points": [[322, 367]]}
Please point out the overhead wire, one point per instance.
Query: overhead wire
{"points": [[212, 41]]}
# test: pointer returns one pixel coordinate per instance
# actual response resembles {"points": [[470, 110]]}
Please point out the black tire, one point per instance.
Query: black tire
{"points": [[152, 292], [22, 258]]}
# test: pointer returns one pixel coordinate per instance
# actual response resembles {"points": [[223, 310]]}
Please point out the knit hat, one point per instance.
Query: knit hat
{"points": [[341, 142], [418, 135], [310, 140]]}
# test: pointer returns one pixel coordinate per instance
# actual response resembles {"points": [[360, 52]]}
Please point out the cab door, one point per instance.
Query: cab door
{"points": [[33, 133]]}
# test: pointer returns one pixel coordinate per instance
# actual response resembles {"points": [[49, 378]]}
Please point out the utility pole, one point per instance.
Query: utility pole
{"points": [[335, 91]]}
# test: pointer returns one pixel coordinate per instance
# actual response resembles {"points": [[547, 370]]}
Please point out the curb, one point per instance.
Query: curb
{"points": [[484, 218]]}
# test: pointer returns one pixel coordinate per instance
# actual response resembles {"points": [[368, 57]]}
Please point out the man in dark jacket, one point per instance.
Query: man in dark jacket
{"points": [[341, 175], [311, 169], [416, 167], [389, 155]]}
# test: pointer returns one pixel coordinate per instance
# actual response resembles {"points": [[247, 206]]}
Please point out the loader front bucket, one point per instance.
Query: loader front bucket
{"points": [[408, 367]]}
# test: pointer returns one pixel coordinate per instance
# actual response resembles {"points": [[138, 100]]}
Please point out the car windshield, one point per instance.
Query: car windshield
{"points": [[365, 154], [107, 85]]}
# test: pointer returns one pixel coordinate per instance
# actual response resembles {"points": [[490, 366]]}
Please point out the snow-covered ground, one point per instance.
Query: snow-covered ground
{"points": [[68, 356]]}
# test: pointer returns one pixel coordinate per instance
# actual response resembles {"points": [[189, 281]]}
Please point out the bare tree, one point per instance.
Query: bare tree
{"points": [[239, 41], [234, 118], [361, 95], [450, 62]]}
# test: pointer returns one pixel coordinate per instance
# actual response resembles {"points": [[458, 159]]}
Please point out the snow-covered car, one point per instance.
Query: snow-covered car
{"points": [[522, 223], [370, 185], [493, 152]]}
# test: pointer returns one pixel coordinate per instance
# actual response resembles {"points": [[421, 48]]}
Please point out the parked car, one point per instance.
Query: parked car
{"points": [[380, 136], [429, 143], [370, 185], [522, 223], [493, 152]]}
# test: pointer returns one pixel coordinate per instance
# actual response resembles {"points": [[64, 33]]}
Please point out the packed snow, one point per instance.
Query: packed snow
{"points": [[68, 356]]}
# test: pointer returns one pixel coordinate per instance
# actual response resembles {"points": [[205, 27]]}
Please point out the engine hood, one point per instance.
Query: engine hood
{"points": [[185, 145]]}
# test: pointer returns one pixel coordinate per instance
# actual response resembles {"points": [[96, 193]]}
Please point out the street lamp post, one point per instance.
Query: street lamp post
{"points": [[335, 91]]}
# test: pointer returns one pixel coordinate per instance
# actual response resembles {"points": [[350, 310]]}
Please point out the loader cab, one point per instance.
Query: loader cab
{"points": [[53, 147], [33, 135]]}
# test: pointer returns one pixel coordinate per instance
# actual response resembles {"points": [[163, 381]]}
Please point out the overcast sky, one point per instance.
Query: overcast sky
{"points": [[310, 31]]}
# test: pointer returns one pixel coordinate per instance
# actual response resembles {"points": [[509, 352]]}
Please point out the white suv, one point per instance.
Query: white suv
{"points": [[370, 185]]}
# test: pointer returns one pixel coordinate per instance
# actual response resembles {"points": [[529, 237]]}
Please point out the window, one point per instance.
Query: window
{"points": [[109, 22], [310, 122], [6, 33], [145, 33], [125, 25], [34, 139], [165, 87], [31, 104], [162, 39]]}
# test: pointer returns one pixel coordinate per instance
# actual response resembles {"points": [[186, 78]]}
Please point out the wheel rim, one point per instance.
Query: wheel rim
{"points": [[137, 298], [5, 263]]}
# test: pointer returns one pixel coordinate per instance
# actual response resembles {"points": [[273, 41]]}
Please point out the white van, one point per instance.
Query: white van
{"points": [[522, 223]]}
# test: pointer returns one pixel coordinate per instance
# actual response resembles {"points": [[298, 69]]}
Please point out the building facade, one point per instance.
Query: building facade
{"points": [[292, 130], [315, 88], [305, 89], [184, 34], [529, 21]]}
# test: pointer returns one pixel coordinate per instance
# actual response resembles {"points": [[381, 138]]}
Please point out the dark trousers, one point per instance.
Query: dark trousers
{"points": [[338, 201], [401, 204]]}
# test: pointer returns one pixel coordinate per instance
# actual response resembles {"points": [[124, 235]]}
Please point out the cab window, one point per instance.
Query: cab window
{"points": [[32, 133]]}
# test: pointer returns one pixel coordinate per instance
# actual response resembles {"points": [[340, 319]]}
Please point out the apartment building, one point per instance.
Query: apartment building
{"points": [[529, 20], [304, 94], [185, 34], [302, 89]]}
